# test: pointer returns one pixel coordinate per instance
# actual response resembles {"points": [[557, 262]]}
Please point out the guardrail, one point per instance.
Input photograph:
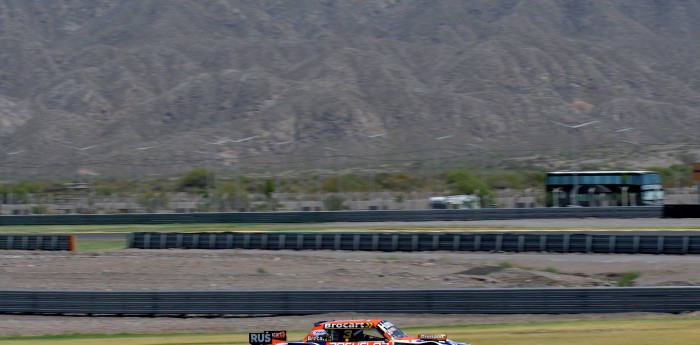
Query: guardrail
{"points": [[338, 216], [448, 301], [38, 242], [411, 242]]}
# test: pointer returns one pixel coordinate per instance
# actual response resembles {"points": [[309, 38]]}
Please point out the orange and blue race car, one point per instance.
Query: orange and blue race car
{"points": [[352, 332]]}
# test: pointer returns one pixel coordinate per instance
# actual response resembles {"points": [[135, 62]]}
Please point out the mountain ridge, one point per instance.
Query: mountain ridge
{"points": [[494, 75]]}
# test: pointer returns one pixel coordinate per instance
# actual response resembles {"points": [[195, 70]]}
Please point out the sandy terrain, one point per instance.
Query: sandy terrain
{"points": [[237, 269], [252, 269]]}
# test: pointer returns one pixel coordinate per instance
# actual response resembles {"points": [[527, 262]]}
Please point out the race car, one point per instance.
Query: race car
{"points": [[352, 332]]}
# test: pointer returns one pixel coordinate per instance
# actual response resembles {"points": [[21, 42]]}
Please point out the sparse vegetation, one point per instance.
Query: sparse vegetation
{"points": [[198, 180], [507, 264], [221, 193], [334, 203], [551, 270], [627, 279], [261, 270]]}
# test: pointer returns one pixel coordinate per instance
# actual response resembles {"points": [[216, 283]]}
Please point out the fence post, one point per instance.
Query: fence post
{"points": [[356, 242], [263, 241], [282, 242], [499, 243], [660, 241], [394, 242], [612, 244], [195, 241], [336, 242], [566, 243], [589, 244], [300, 242], [319, 241], [543, 243], [246, 241], [635, 244], [521, 243]]}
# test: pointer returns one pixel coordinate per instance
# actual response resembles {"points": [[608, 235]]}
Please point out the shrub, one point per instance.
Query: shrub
{"points": [[627, 279], [334, 203], [198, 179]]}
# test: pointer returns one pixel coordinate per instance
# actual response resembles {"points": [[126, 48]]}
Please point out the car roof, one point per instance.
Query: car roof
{"points": [[352, 323]]}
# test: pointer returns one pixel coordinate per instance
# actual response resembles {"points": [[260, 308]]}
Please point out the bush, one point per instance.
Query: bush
{"points": [[464, 182], [196, 179], [334, 203], [40, 209]]}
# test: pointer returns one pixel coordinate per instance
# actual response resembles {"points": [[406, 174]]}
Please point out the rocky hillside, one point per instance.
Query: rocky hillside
{"points": [[123, 86]]}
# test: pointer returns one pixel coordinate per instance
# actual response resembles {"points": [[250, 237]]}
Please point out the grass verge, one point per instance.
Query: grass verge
{"points": [[620, 332], [292, 227], [96, 245]]}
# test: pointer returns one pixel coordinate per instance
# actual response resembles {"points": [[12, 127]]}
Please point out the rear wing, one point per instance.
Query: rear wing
{"points": [[267, 337]]}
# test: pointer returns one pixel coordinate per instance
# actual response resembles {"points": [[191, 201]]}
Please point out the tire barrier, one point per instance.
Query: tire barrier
{"points": [[338, 216], [38, 242], [412, 242], [447, 301]]}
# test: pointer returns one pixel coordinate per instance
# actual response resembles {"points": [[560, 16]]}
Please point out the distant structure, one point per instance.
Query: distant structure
{"points": [[604, 188], [455, 202]]}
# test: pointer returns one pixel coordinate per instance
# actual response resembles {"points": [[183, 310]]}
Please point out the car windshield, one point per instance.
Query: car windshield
{"points": [[392, 330]]}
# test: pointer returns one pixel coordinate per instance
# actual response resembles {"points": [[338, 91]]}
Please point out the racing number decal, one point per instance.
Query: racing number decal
{"points": [[347, 334]]}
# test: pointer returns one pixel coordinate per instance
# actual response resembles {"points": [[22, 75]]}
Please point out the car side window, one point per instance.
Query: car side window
{"points": [[338, 335], [374, 334], [353, 335]]}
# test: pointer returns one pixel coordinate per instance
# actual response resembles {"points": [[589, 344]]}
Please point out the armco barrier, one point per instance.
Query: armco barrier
{"points": [[37, 242], [411, 242], [338, 216], [448, 301]]}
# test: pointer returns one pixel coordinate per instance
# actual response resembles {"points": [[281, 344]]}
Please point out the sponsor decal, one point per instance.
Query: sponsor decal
{"points": [[266, 338], [318, 332], [318, 338], [358, 343], [432, 336], [260, 338], [342, 325]]}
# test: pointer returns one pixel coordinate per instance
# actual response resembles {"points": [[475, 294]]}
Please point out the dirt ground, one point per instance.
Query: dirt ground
{"points": [[252, 269]]}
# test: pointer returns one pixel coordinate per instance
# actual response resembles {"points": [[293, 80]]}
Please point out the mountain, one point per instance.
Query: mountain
{"points": [[122, 86]]}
